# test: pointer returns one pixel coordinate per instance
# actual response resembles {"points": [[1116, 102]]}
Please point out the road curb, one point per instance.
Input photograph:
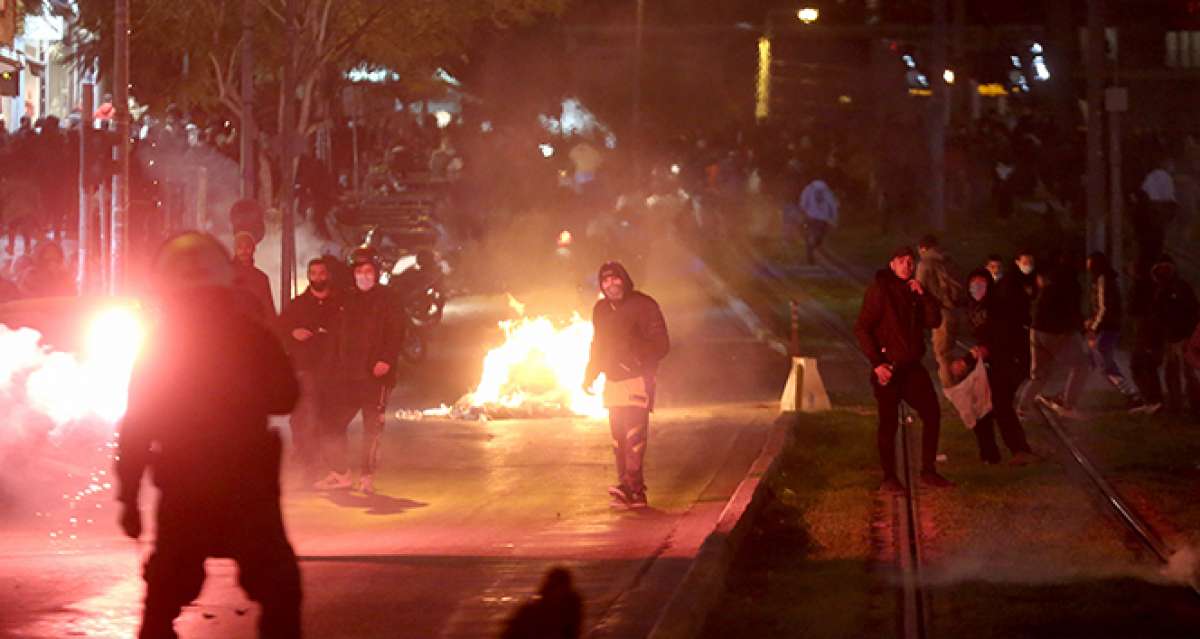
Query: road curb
{"points": [[701, 587]]}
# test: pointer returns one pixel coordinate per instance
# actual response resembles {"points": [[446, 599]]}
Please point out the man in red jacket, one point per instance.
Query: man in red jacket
{"points": [[891, 327], [630, 339]]}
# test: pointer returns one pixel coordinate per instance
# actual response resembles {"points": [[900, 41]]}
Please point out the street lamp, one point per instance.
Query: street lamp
{"points": [[948, 76], [808, 15]]}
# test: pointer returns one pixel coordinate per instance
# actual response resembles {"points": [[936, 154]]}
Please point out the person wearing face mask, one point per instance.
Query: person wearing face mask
{"points": [[630, 340], [1016, 292], [1103, 326], [998, 340], [1055, 339], [308, 329], [368, 338]]}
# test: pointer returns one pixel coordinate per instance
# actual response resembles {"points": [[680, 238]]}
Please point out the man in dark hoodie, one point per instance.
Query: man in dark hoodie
{"points": [[891, 327], [1055, 338], [367, 349], [630, 339], [200, 394], [308, 325]]}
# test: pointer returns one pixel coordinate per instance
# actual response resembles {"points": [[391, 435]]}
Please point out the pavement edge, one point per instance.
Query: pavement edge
{"points": [[687, 610]]}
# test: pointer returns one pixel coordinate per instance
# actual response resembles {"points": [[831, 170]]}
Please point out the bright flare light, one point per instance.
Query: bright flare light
{"points": [[540, 365], [70, 387], [808, 15], [948, 76]]}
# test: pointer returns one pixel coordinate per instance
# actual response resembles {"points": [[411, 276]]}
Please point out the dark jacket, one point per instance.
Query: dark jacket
{"points": [[1104, 303], [1057, 309], [252, 280], [993, 326], [1016, 292], [630, 336], [314, 355], [891, 325], [1174, 307], [199, 397], [371, 330]]}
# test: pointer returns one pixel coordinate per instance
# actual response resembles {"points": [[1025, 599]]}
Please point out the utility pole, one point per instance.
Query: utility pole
{"points": [[87, 227], [937, 119], [120, 181], [1096, 205], [637, 92], [249, 129], [288, 159]]}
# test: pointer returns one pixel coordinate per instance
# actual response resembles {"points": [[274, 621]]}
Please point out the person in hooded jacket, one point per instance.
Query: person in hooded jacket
{"points": [[200, 394], [1103, 326], [896, 312], [998, 342], [629, 340], [935, 274], [369, 336]]}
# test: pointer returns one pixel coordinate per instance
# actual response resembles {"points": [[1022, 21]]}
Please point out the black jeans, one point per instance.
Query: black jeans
{"points": [[370, 398], [630, 427], [910, 383], [815, 231], [1003, 381], [253, 536]]}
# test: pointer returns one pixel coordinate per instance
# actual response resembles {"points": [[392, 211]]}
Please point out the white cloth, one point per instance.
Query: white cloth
{"points": [[819, 202], [1159, 186], [972, 397]]}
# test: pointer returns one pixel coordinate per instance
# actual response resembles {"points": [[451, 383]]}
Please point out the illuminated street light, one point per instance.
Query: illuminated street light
{"points": [[808, 15], [948, 75]]}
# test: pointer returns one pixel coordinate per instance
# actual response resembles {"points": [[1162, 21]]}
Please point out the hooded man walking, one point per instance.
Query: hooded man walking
{"points": [[891, 327], [630, 339]]}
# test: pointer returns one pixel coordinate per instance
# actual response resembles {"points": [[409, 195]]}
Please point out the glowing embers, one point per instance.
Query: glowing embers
{"points": [[537, 371]]}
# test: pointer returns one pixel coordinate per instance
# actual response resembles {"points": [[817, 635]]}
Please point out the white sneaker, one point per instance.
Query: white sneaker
{"points": [[366, 484], [334, 481]]}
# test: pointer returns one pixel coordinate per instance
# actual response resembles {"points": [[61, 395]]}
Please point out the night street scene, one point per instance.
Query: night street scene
{"points": [[545, 319]]}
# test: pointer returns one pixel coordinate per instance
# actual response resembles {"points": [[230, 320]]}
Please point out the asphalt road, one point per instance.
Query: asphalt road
{"points": [[469, 515]]}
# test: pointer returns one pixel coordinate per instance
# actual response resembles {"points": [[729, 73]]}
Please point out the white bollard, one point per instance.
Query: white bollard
{"points": [[805, 390]]}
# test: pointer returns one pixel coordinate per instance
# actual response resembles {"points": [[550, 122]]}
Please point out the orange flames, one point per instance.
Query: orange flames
{"points": [[539, 368]]}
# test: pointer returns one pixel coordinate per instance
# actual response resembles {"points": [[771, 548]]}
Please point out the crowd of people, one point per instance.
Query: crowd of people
{"points": [[1028, 323]]}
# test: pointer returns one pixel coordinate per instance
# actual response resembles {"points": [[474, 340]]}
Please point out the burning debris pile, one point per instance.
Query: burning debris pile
{"points": [[537, 372]]}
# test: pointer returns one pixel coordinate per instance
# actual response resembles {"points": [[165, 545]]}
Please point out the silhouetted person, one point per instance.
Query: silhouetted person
{"points": [[250, 280], [630, 340], [556, 612], [200, 394]]}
